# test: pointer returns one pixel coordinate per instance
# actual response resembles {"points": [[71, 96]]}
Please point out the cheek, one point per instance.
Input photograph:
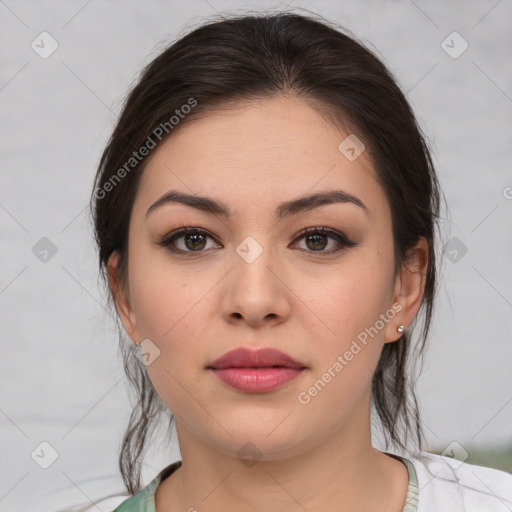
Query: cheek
{"points": [[160, 292], [348, 300], [350, 305], [170, 311], [348, 352], [165, 304], [173, 308]]}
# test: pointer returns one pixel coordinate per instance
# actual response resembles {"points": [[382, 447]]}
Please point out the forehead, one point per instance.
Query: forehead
{"points": [[259, 151]]}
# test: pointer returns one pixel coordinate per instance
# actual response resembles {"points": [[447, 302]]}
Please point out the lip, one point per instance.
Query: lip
{"points": [[250, 358], [256, 371]]}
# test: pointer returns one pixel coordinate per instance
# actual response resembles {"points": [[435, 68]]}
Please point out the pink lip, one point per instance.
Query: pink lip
{"points": [[256, 371]]}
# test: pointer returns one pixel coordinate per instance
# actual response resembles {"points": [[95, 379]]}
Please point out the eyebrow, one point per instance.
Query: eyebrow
{"points": [[286, 209]]}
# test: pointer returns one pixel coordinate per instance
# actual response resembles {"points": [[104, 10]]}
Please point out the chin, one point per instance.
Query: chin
{"points": [[261, 441]]}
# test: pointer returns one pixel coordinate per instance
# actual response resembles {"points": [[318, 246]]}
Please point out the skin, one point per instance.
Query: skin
{"points": [[309, 304]]}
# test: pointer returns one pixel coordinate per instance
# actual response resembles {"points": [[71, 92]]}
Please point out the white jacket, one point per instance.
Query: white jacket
{"points": [[448, 485]]}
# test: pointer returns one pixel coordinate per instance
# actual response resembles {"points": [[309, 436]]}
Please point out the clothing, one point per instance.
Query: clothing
{"points": [[436, 484]]}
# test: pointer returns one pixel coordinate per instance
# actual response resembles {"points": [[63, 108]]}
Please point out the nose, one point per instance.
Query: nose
{"points": [[256, 291]]}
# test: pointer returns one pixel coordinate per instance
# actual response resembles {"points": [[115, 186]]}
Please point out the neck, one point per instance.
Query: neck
{"points": [[344, 473]]}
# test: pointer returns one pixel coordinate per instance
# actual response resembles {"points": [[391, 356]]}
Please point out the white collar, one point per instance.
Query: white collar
{"points": [[448, 485]]}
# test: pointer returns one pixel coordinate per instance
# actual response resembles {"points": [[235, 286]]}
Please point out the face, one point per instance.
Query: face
{"points": [[328, 298]]}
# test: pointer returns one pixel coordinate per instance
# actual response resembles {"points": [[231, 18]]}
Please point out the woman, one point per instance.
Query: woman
{"points": [[266, 214]]}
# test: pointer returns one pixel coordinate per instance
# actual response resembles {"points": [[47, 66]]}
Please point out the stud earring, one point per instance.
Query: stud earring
{"points": [[400, 328]]}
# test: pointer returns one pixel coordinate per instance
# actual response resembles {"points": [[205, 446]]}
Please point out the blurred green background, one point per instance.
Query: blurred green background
{"points": [[498, 457]]}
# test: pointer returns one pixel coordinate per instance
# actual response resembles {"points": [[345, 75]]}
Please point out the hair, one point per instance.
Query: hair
{"points": [[253, 57]]}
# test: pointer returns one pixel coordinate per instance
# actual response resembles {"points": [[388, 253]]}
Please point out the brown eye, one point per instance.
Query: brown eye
{"points": [[194, 241], [186, 240], [317, 240]]}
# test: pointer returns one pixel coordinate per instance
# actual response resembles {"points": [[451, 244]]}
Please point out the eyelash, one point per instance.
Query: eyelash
{"points": [[341, 238]]}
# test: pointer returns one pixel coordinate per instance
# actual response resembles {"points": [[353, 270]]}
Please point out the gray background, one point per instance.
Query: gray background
{"points": [[61, 376]]}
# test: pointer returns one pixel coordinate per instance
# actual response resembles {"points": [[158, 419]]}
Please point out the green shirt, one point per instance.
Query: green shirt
{"points": [[144, 501]]}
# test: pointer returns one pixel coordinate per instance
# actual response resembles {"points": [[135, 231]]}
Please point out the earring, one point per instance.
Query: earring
{"points": [[400, 328]]}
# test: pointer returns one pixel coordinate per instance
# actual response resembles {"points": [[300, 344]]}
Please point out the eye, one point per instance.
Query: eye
{"points": [[316, 239], [190, 239], [186, 239]]}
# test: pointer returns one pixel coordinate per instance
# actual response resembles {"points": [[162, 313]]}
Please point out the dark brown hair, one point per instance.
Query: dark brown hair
{"points": [[260, 56]]}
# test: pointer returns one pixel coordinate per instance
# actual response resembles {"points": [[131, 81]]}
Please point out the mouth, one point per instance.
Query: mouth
{"points": [[256, 371], [260, 358]]}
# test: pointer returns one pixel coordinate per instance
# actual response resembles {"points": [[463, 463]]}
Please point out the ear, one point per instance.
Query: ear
{"points": [[409, 288], [122, 300]]}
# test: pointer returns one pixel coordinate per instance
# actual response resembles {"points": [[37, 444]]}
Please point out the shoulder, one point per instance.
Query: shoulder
{"points": [[449, 485], [143, 501]]}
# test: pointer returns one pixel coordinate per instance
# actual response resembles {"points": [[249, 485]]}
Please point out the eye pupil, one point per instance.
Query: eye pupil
{"points": [[316, 237], [195, 237]]}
